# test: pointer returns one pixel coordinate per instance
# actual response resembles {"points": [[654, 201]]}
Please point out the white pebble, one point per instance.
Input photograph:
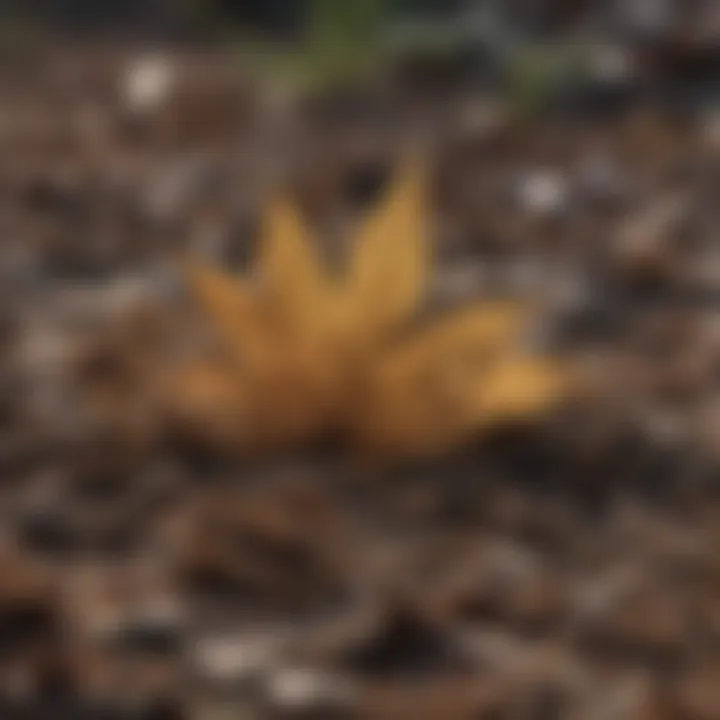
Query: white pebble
{"points": [[612, 63], [227, 659], [301, 688], [543, 192], [148, 82]]}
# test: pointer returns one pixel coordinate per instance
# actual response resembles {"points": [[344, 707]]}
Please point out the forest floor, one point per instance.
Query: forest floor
{"points": [[567, 571]]}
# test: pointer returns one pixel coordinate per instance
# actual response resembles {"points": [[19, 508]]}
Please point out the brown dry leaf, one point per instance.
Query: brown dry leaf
{"points": [[520, 387], [313, 355], [390, 268], [210, 403], [436, 389], [483, 330], [296, 283], [231, 306]]}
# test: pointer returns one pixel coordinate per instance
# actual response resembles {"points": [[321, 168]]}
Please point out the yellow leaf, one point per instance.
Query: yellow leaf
{"points": [[294, 275], [312, 355], [519, 388], [210, 402], [433, 391], [229, 304], [390, 267], [472, 334]]}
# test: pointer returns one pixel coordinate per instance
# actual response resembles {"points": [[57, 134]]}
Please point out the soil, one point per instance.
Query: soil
{"points": [[565, 570]]}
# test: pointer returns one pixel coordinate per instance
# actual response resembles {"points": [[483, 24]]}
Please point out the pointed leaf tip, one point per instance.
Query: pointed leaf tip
{"points": [[294, 275], [520, 388], [391, 264], [229, 304]]}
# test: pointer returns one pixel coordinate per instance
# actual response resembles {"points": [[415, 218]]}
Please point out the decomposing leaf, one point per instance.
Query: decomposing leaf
{"points": [[295, 281], [232, 308], [313, 353], [448, 382], [390, 267], [210, 404]]}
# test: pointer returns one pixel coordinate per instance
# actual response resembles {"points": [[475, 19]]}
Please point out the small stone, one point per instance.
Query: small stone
{"points": [[647, 17], [543, 192], [612, 64], [148, 83], [644, 243], [304, 689], [232, 659]]}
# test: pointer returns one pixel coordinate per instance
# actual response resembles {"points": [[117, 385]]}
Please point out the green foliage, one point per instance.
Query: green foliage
{"points": [[354, 21], [342, 40], [536, 73]]}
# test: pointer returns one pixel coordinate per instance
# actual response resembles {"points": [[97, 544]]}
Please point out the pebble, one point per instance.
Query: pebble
{"points": [[304, 689], [148, 83], [543, 192], [234, 659]]}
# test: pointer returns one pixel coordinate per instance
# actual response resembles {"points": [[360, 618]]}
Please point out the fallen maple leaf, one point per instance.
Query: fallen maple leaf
{"points": [[308, 352]]}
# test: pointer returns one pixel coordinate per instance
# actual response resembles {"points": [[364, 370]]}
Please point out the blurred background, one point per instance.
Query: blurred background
{"points": [[569, 570]]}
